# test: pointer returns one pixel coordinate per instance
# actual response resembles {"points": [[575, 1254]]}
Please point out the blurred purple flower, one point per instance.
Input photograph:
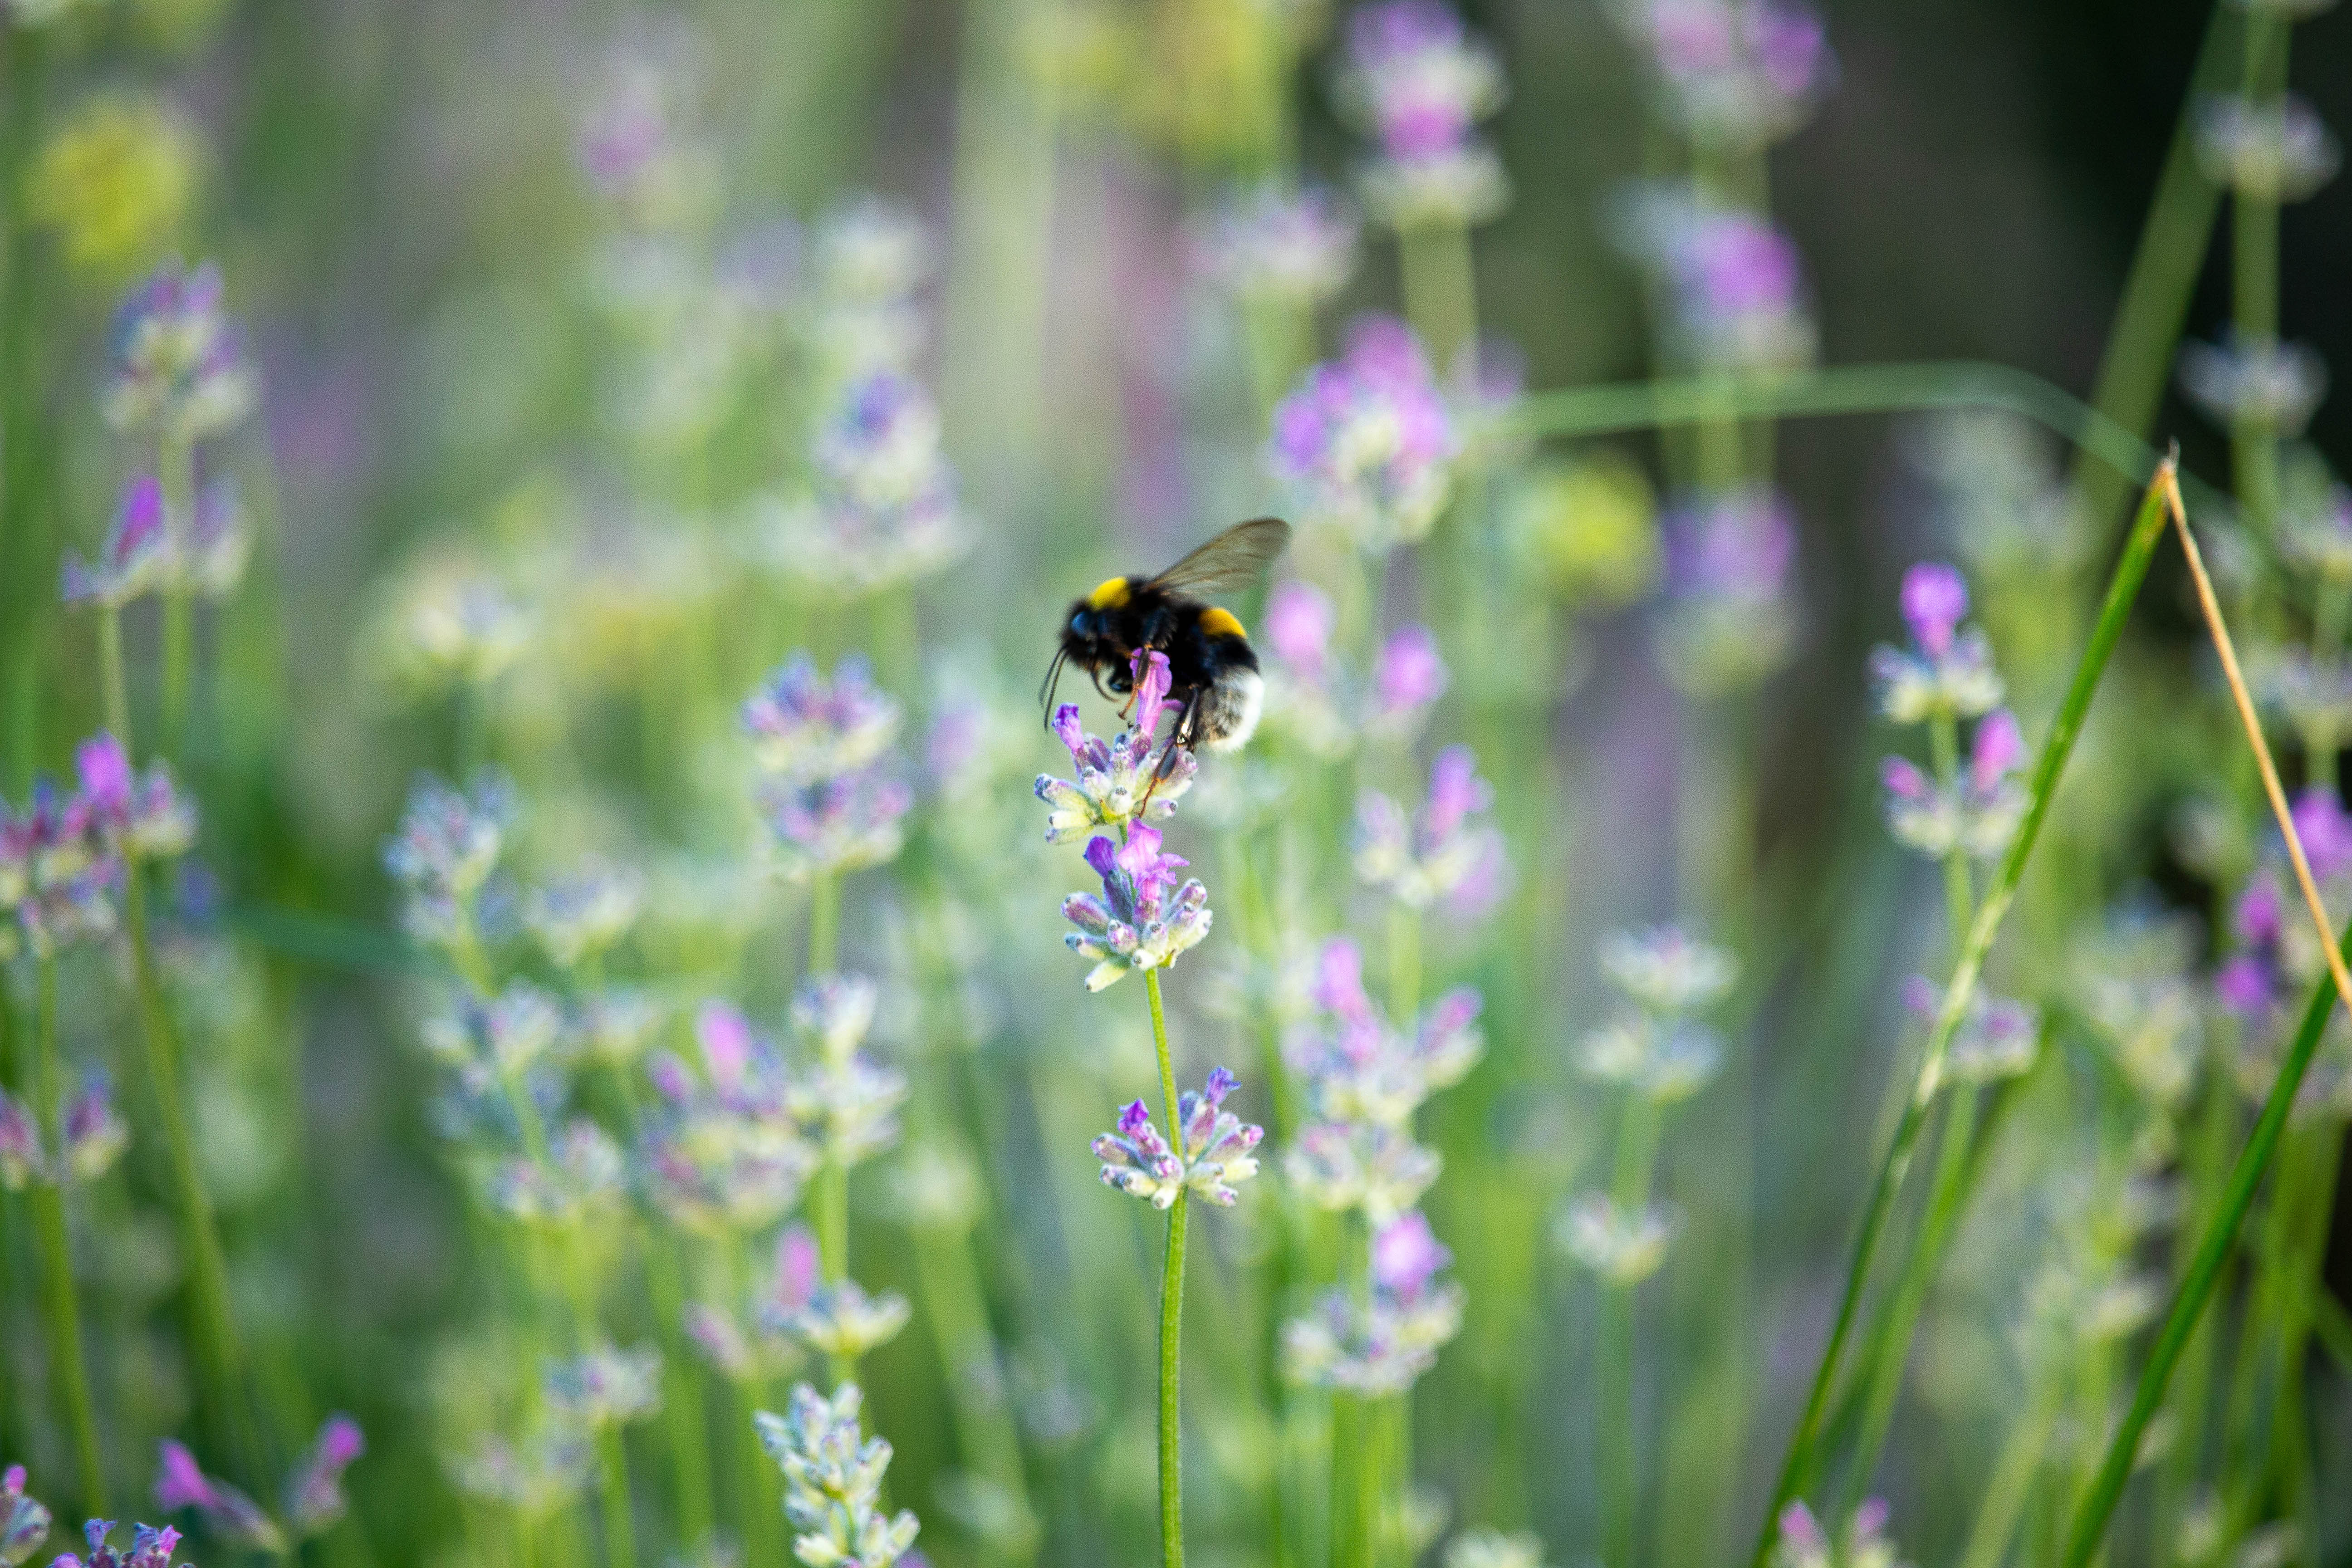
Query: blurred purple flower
{"points": [[139, 816], [137, 555], [1443, 851], [1418, 82], [1365, 442], [1411, 674], [2266, 385], [884, 509], [23, 1522], [836, 825], [1946, 673], [803, 728], [1406, 1255], [1728, 622], [314, 1496], [227, 1512], [1743, 71], [94, 1131], [1978, 812], [1292, 248], [179, 372]]}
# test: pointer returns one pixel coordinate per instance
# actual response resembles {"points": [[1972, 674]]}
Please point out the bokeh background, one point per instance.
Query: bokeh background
{"points": [[464, 370]]}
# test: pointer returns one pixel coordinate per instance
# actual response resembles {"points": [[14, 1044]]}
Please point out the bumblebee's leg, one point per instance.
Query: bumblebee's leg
{"points": [[1180, 735]]}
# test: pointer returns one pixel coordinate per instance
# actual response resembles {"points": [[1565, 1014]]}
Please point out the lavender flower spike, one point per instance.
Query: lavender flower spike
{"points": [[136, 557], [23, 1522], [227, 1512], [149, 1548], [1216, 1153], [1445, 850], [179, 371], [314, 1496], [804, 728], [21, 1160], [1946, 672], [1978, 812], [1142, 921], [832, 1482], [1365, 443], [139, 816], [1131, 778]]}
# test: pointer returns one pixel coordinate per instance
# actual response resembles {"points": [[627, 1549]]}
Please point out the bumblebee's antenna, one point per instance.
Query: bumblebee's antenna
{"points": [[1051, 686]]}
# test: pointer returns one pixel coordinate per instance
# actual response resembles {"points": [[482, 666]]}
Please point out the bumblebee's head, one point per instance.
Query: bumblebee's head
{"points": [[1087, 615]]}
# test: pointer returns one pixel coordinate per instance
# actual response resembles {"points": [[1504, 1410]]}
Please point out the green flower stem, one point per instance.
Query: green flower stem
{"points": [[824, 924], [1881, 1374], [59, 1301], [571, 1260], [2208, 1166], [1172, 1313], [176, 463], [1405, 963], [2122, 590], [213, 1327], [1960, 897], [2014, 1474], [682, 1404], [1884, 1369], [987, 1439], [2292, 1433], [1440, 294], [2204, 1274], [1638, 1131]]}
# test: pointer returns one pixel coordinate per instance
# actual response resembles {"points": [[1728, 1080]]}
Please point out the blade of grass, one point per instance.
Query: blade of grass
{"points": [[2172, 252], [1918, 388], [2122, 589], [2197, 1288]]}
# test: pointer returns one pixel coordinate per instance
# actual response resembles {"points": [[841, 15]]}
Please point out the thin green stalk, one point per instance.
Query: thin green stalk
{"points": [[1885, 1370], [1404, 962], [682, 1408], [1172, 1313], [1440, 294], [2208, 1164], [1960, 897], [2196, 1291], [1638, 1131], [2013, 1475], [2122, 589], [2292, 1441], [824, 925], [60, 1302], [177, 459], [988, 1442], [213, 1327]]}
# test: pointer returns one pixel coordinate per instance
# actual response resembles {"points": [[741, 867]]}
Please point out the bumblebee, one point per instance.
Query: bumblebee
{"points": [[1212, 674]]}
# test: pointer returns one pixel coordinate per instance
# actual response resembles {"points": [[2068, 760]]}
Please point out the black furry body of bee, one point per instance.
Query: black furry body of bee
{"points": [[1213, 671]]}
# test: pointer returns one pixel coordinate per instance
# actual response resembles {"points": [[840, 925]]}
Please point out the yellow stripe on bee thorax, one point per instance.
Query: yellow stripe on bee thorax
{"points": [[1220, 623], [1111, 595]]}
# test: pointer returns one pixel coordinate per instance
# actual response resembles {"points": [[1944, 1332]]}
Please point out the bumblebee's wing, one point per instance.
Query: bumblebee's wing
{"points": [[1232, 560]]}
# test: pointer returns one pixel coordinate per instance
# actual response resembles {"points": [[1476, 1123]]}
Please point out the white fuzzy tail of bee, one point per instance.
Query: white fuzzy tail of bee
{"points": [[1229, 710]]}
